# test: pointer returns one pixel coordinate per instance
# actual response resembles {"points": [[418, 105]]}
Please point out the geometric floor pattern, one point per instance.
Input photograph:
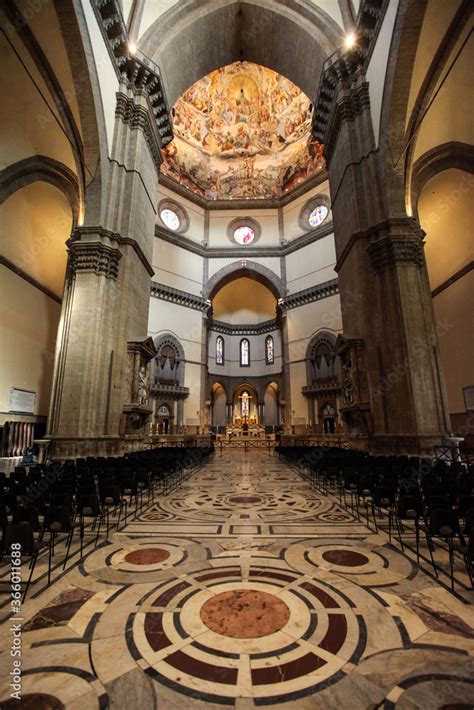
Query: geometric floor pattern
{"points": [[245, 588]]}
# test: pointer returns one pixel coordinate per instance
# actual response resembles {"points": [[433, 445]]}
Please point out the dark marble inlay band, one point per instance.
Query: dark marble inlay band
{"points": [[218, 674], [287, 671], [154, 631], [167, 596]]}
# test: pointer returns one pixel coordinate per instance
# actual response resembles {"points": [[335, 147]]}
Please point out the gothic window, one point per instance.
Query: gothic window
{"points": [[269, 351], [219, 350], [244, 353]]}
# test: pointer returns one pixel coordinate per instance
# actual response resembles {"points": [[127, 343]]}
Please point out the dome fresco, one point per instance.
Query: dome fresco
{"points": [[242, 131]]}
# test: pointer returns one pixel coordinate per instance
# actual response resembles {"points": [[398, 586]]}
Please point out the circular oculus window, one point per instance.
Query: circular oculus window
{"points": [[318, 215], [244, 235], [170, 219]]}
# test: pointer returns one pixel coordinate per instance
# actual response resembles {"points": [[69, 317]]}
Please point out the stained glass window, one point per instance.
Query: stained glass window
{"points": [[244, 235], [244, 352], [269, 352], [245, 404], [170, 219], [318, 215], [220, 351]]}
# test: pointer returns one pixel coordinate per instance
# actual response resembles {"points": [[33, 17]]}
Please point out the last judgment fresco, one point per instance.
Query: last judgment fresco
{"points": [[242, 131]]}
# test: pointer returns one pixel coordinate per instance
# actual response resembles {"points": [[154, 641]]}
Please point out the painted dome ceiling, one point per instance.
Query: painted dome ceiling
{"points": [[242, 131]]}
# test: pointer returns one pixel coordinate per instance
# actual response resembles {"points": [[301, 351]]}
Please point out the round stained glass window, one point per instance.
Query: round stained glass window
{"points": [[170, 219], [318, 215], [244, 235]]}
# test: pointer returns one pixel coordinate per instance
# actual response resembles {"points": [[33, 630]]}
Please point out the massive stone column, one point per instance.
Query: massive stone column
{"points": [[393, 390], [100, 400]]}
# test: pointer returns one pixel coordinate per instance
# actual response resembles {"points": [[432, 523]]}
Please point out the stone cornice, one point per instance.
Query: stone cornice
{"points": [[340, 70], [140, 72], [236, 252], [198, 303], [267, 326], [138, 117], [93, 257], [181, 298], [247, 203], [397, 229], [113, 237], [308, 295], [316, 390], [169, 391]]}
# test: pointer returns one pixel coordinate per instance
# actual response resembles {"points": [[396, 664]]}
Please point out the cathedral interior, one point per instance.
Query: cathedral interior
{"points": [[236, 354]]}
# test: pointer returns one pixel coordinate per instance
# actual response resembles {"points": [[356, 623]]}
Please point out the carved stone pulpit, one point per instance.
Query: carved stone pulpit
{"points": [[136, 411]]}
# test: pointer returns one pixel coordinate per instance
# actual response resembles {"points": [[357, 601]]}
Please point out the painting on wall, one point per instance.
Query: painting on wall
{"points": [[242, 131]]}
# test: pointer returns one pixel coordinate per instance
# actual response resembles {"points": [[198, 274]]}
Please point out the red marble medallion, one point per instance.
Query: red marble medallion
{"points": [[245, 614], [147, 556], [345, 558]]}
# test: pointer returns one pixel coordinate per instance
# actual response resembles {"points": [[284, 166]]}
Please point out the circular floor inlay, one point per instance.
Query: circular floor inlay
{"points": [[345, 558], [34, 701], [245, 614], [148, 556], [245, 499]]}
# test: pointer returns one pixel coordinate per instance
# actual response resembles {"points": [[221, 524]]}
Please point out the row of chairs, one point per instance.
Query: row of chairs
{"points": [[85, 494], [421, 497]]}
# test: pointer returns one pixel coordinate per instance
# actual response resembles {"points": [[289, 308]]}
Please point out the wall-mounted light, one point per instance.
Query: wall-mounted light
{"points": [[132, 48]]}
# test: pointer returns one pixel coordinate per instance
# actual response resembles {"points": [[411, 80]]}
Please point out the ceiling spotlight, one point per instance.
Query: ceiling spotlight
{"points": [[349, 40], [132, 48]]}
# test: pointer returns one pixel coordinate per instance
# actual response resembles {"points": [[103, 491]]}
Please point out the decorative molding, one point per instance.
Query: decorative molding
{"points": [[138, 117], [340, 69], [398, 241], [309, 295], [26, 277], [452, 279], [113, 237], [93, 257], [181, 298], [198, 303], [322, 389], [267, 326], [387, 252], [245, 204], [141, 73], [276, 252], [169, 392], [396, 228]]}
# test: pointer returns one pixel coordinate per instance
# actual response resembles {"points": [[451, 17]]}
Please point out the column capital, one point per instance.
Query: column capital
{"points": [[396, 241]]}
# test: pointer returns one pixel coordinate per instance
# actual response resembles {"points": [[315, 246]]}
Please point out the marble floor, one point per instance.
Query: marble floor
{"points": [[244, 588]]}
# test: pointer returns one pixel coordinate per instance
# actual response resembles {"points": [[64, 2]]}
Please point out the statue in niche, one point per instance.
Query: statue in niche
{"points": [[347, 383], [142, 386]]}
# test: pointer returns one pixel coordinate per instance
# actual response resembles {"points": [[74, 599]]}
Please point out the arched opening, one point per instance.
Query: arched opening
{"points": [[272, 406], [218, 407], [245, 407], [445, 214]]}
